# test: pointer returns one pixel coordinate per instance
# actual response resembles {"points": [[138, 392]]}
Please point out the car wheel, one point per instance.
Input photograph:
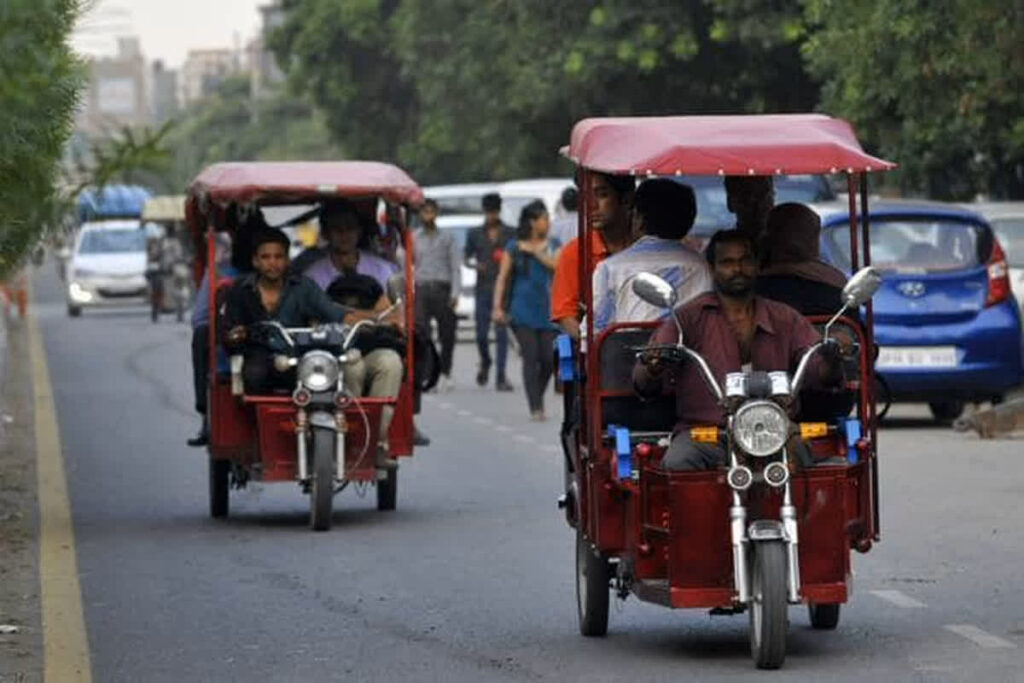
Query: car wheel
{"points": [[74, 311], [945, 412]]}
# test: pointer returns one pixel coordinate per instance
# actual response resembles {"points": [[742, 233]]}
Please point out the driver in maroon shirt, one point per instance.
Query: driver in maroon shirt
{"points": [[734, 330]]}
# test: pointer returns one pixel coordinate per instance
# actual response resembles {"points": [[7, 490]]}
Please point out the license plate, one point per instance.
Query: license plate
{"points": [[917, 357]]}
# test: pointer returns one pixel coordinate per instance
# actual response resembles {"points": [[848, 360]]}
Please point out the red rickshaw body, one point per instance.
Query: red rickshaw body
{"points": [[672, 529], [258, 433]]}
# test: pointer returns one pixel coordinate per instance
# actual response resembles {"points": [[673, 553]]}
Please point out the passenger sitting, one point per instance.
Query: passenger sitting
{"points": [[271, 293], [663, 213], [379, 372], [793, 271], [347, 247]]}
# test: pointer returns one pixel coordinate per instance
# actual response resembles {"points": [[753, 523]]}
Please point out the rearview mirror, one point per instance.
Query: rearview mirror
{"points": [[396, 287], [654, 290], [861, 287]]}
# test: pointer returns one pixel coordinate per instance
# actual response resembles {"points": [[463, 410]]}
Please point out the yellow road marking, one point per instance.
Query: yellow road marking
{"points": [[65, 644]]}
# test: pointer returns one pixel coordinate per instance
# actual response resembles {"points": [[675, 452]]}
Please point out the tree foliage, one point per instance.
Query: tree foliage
{"points": [[938, 86], [39, 84], [232, 126], [458, 89]]}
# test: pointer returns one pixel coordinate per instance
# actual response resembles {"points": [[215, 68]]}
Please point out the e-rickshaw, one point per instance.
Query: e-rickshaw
{"points": [[769, 530], [317, 434]]}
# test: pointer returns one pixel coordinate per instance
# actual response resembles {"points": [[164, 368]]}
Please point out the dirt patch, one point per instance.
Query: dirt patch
{"points": [[21, 644]]}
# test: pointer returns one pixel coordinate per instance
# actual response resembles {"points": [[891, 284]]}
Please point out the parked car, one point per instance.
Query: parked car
{"points": [[1007, 220], [515, 194], [107, 266], [946, 321]]}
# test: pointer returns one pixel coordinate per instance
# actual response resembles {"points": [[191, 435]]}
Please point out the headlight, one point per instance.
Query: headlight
{"points": [[318, 371], [760, 428], [79, 294]]}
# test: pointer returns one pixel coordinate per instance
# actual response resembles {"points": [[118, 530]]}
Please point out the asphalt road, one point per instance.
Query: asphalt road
{"points": [[472, 578]]}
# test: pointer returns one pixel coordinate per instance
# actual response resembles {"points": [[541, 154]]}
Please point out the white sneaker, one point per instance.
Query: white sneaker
{"points": [[447, 384]]}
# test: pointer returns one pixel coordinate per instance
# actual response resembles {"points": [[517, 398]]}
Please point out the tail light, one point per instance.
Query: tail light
{"points": [[998, 276]]}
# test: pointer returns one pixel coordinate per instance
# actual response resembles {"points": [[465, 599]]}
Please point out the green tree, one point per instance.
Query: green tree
{"points": [[484, 90], [39, 83], [937, 86], [232, 126]]}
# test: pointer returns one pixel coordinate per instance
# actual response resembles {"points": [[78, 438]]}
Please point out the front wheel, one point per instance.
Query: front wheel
{"points": [[321, 492], [824, 617], [593, 575], [768, 605], [74, 311], [220, 471], [387, 490]]}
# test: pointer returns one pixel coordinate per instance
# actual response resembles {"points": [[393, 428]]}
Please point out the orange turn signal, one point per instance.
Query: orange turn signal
{"points": [[704, 434], [813, 430]]}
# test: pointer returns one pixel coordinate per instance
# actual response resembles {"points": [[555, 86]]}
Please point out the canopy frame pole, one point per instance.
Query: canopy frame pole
{"points": [[876, 525]]}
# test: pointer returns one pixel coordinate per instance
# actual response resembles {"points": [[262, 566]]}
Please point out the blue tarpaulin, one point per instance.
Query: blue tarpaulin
{"points": [[113, 201]]}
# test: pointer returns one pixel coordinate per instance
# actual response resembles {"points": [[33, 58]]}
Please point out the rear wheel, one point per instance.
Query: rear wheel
{"points": [[824, 617], [387, 490], [768, 605], [593, 574], [946, 411], [74, 311], [321, 493], [220, 471]]}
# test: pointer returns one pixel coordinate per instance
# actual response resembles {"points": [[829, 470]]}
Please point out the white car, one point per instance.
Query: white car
{"points": [[107, 266], [1007, 221]]}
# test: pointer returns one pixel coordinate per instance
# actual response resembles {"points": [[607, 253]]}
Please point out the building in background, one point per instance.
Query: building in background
{"points": [[118, 91], [264, 71], [164, 88], [203, 72]]}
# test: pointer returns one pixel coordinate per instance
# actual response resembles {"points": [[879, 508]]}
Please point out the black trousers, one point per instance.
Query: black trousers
{"points": [[200, 365], [684, 454], [483, 309], [536, 347], [434, 302]]}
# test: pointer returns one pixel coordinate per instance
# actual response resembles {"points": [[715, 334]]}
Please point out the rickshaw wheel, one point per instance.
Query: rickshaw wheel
{"points": [[593, 574], [824, 617], [769, 619], [220, 471], [321, 493], [387, 490]]}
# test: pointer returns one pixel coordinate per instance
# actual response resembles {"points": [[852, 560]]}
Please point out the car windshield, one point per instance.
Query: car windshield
{"points": [[1010, 232], [918, 245], [112, 241]]}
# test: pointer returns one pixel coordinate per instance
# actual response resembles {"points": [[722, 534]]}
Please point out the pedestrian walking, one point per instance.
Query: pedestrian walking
{"points": [[438, 280], [485, 247], [527, 267]]}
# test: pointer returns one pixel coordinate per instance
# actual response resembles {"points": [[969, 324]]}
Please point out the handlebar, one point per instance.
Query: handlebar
{"points": [[676, 353]]}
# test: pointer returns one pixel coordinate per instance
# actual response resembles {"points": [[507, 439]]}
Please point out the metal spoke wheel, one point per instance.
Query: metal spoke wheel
{"points": [[220, 478], [824, 617], [593, 576], [321, 490], [387, 490], [768, 606]]}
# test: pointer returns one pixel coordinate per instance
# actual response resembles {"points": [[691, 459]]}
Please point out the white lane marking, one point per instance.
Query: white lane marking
{"points": [[899, 599], [483, 420], [446, 405], [979, 637], [503, 428], [523, 439], [463, 413]]}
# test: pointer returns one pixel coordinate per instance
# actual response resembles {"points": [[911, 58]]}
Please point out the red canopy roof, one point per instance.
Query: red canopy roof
{"points": [[301, 181], [720, 145]]}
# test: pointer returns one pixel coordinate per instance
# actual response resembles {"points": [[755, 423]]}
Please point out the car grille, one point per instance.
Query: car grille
{"points": [[121, 293]]}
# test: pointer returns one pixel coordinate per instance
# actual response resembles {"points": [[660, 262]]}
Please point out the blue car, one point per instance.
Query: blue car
{"points": [[946, 322]]}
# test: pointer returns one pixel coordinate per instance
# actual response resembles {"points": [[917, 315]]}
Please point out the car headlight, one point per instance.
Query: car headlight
{"points": [[760, 428], [318, 371], [79, 294]]}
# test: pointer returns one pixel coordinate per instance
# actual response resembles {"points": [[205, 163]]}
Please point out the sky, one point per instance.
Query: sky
{"points": [[167, 29]]}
